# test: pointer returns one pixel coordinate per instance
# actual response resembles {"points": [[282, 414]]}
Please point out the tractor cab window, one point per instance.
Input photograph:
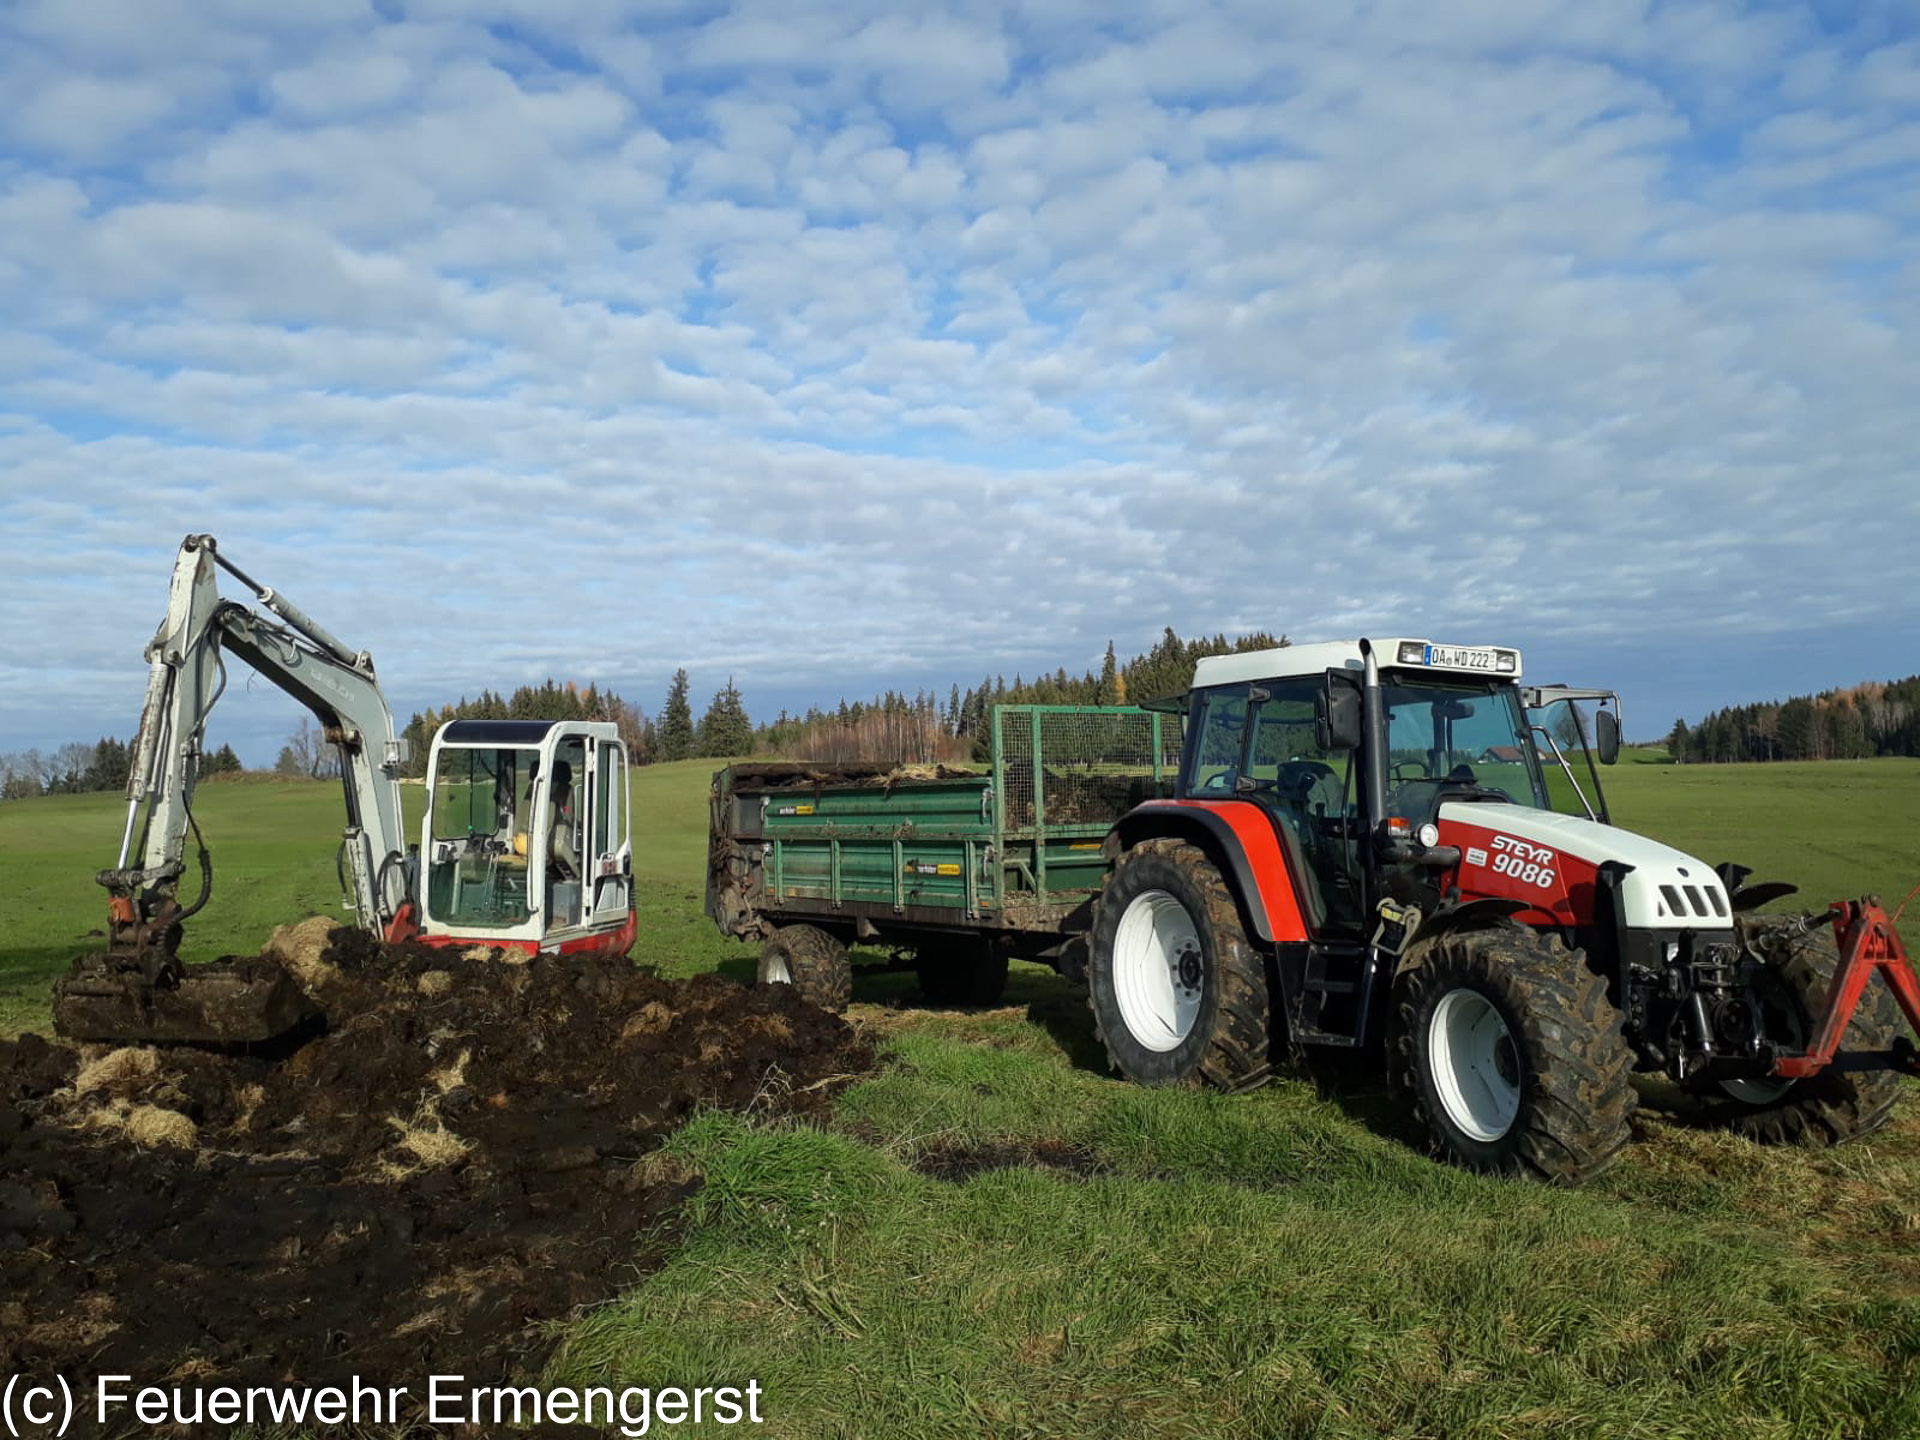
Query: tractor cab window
{"points": [[1457, 742], [1562, 731], [1219, 734], [482, 810]]}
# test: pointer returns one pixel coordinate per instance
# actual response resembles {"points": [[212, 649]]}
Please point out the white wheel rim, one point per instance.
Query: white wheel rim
{"points": [[1476, 1067], [1158, 974], [773, 971]]}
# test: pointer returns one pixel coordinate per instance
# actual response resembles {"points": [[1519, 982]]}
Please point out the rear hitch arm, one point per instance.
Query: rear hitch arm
{"points": [[1868, 942]]}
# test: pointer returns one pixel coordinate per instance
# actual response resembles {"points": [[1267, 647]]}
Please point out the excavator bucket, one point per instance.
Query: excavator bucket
{"points": [[118, 998]]}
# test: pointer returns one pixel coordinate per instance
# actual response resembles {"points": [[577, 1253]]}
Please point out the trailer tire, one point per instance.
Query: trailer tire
{"points": [[961, 970], [1513, 1054], [810, 960], [1825, 1109], [1179, 994]]}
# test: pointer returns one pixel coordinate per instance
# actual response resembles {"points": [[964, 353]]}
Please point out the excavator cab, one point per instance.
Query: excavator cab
{"points": [[524, 843]]}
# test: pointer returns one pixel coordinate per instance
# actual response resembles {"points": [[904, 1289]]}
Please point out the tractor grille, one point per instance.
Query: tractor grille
{"points": [[1699, 900]]}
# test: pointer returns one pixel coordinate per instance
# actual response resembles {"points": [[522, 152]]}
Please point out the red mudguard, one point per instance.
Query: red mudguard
{"points": [[1256, 865]]}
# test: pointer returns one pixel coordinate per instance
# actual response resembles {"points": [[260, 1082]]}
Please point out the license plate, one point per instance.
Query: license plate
{"points": [[1459, 657]]}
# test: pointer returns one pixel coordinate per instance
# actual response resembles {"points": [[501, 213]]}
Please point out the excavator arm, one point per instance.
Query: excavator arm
{"points": [[186, 674]]}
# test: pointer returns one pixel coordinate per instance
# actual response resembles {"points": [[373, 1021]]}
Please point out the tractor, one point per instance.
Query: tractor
{"points": [[1399, 847]]}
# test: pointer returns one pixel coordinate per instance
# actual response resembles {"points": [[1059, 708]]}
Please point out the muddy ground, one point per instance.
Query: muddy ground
{"points": [[460, 1157]]}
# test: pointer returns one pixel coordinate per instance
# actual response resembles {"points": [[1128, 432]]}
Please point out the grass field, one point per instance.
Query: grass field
{"points": [[996, 1239]]}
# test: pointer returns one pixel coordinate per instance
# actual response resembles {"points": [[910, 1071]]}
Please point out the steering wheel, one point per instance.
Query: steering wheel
{"points": [[1219, 781], [1416, 771]]}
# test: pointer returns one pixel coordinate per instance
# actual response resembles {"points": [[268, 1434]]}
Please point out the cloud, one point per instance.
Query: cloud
{"points": [[843, 348]]}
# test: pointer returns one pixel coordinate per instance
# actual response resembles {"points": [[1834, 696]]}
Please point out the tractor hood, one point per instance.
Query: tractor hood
{"points": [[1553, 862]]}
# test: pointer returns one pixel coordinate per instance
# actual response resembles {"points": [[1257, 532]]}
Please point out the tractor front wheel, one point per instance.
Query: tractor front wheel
{"points": [[1835, 1105], [1513, 1054], [1178, 992], [812, 961]]}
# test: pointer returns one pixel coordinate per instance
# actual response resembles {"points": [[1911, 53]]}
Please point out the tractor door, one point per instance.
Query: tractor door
{"points": [[1257, 743], [1311, 794], [608, 855]]}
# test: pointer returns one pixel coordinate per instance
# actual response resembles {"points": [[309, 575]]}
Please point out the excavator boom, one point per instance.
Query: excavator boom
{"points": [[139, 990]]}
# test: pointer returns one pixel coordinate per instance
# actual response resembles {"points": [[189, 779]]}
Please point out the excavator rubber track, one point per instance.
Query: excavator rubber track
{"points": [[119, 999]]}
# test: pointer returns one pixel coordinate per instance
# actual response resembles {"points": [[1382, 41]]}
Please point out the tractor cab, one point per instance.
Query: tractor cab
{"points": [[524, 842], [1400, 773], [1352, 789]]}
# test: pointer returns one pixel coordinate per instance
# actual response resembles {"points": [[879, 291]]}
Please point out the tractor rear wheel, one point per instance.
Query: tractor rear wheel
{"points": [[812, 961], [1513, 1054], [1824, 1109], [965, 970], [1179, 994]]}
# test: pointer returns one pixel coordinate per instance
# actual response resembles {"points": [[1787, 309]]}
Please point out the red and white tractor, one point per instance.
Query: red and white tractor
{"points": [[1398, 844]]}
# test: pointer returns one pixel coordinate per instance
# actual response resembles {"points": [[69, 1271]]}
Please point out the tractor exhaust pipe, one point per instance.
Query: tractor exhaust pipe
{"points": [[1373, 732]]}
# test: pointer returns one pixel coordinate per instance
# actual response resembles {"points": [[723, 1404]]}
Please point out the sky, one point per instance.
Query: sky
{"points": [[839, 347]]}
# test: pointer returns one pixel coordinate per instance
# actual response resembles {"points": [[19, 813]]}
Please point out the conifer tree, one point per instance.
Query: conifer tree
{"points": [[673, 736]]}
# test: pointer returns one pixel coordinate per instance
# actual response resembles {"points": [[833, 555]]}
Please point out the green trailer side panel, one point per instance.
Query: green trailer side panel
{"points": [[1016, 847]]}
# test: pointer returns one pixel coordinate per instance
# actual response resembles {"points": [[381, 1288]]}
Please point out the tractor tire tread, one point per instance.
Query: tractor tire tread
{"points": [[1236, 1054], [1836, 1106], [817, 964], [1578, 1101]]}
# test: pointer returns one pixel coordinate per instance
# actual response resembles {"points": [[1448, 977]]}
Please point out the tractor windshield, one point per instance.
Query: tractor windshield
{"points": [[1467, 740], [482, 808]]}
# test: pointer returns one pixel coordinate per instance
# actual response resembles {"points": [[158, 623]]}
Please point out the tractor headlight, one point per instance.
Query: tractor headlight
{"points": [[1429, 835]]}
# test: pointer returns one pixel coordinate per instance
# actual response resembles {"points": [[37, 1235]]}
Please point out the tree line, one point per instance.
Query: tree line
{"points": [[722, 731], [77, 768], [1881, 717], [922, 728], [892, 726]]}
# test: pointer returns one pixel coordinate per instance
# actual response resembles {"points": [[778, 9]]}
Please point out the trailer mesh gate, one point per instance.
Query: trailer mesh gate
{"points": [[1074, 766]]}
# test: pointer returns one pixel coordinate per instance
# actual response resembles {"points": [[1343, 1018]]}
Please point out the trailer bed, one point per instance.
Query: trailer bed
{"points": [[895, 854]]}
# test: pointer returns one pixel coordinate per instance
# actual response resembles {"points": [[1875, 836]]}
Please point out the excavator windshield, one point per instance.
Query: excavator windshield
{"points": [[482, 812]]}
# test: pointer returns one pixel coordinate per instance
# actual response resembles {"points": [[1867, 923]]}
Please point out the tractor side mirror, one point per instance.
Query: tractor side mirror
{"points": [[1607, 736], [1336, 713]]}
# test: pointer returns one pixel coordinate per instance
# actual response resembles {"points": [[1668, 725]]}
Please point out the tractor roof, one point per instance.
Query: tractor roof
{"points": [[1392, 654]]}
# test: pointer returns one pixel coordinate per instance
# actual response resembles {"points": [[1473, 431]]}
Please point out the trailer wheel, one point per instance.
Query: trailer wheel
{"points": [[1179, 995], [966, 970], [1513, 1054], [1824, 1109], [812, 961]]}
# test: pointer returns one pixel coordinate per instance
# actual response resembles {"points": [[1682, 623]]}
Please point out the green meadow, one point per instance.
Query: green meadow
{"points": [[995, 1238]]}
